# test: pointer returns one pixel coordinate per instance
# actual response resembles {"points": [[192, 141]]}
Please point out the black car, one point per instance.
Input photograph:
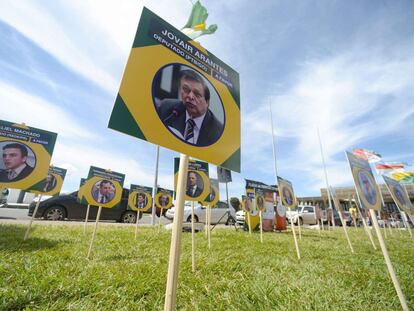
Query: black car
{"points": [[66, 206]]}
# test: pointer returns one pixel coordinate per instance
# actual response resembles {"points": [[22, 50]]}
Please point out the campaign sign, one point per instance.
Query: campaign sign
{"points": [[198, 183], [367, 188], [80, 197], [103, 187], [399, 195], [164, 198], [263, 196], [223, 175], [52, 184], [26, 154], [140, 198], [176, 94], [286, 192], [214, 195]]}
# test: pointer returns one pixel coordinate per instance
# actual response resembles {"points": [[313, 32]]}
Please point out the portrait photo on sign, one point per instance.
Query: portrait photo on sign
{"points": [[287, 196], [260, 203], [195, 184], [367, 186], [103, 191], [398, 191], [188, 105], [141, 200], [18, 161], [49, 183], [164, 200]]}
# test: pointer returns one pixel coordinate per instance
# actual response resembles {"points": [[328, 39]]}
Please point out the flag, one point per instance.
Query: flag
{"points": [[389, 167], [404, 177], [368, 155], [196, 24]]}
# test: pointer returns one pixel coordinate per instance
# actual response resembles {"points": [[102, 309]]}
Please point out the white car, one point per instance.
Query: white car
{"points": [[305, 214], [217, 213], [240, 217]]}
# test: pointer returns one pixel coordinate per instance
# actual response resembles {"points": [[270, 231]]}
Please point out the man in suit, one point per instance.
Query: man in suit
{"points": [[14, 159], [105, 192], [50, 183], [189, 117], [192, 189], [141, 200]]}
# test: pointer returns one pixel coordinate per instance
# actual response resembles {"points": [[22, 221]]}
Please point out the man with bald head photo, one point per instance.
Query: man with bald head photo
{"points": [[190, 117], [15, 163], [193, 190]]}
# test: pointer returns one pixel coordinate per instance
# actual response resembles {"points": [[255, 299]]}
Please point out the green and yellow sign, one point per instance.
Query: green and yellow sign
{"points": [[80, 197], [176, 94], [52, 184], [140, 198], [26, 154], [286, 192], [399, 195], [198, 183], [164, 198], [103, 187], [367, 189], [214, 196]]}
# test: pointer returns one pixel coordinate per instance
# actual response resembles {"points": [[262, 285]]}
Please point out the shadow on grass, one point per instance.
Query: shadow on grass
{"points": [[11, 239]]}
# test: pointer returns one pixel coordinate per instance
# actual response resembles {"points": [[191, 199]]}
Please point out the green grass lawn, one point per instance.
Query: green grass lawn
{"points": [[50, 270]]}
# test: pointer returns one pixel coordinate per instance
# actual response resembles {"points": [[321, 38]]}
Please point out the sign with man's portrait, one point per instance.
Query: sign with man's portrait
{"points": [[140, 198], [164, 198], [185, 99], [52, 184], [214, 195], [367, 188], [198, 183], [103, 187], [399, 195], [286, 192], [26, 154]]}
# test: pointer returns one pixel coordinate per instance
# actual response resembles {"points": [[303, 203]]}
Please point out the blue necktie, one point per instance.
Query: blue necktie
{"points": [[190, 129]]}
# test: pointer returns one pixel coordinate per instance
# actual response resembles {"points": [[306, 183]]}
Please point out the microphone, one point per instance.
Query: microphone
{"points": [[176, 111]]}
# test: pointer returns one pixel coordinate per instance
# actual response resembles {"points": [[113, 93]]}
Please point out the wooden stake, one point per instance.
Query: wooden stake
{"points": [[300, 231], [159, 220], [261, 227], [294, 236], [345, 231], [208, 226], [388, 263], [86, 218], [192, 238], [249, 223], [367, 230], [175, 248], [136, 225], [94, 232], [26, 236], [207, 221]]}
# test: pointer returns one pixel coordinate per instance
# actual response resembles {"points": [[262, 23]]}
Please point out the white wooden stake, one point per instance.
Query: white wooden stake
{"points": [[207, 221], [300, 230], [94, 232], [388, 263], [345, 231], [367, 230], [294, 235], [192, 238], [159, 220], [208, 226], [136, 225], [249, 223], [175, 248], [86, 218], [261, 227], [26, 236], [155, 189]]}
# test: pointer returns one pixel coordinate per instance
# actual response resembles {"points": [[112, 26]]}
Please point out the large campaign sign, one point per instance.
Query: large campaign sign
{"points": [[184, 99], [26, 154], [52, 184]]}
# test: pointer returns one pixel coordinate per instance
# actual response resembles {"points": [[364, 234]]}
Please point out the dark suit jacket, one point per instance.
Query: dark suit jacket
{"points": [[197, 193], [211, 128], [109, 196], [23, 174]]}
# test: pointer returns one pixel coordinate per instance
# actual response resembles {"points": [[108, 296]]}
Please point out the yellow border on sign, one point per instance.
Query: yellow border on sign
{"points": [[216, 197], [132, 201], [377, 205], [257, 200], [157, 200], [56, 189], [40, 171], [402, 206], [206, 188], [283, 185], [136, 92], [87, 192]]}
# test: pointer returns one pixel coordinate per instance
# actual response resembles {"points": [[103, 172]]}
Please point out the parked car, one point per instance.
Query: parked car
{"points": [[200, 211], [66, 206], [304, 214], [240, 217]]}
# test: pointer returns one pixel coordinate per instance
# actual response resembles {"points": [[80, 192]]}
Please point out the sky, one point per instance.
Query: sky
{"points": [[345, 67]]}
